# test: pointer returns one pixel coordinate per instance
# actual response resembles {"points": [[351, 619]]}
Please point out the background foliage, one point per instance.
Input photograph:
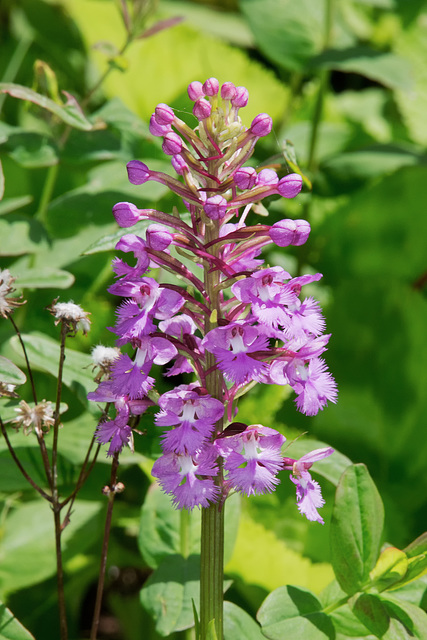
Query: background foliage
{"points": [[346, 82]]}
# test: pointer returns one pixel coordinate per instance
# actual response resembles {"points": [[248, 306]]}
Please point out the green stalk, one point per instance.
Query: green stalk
{"points": [[47, 192], [212, 570]]}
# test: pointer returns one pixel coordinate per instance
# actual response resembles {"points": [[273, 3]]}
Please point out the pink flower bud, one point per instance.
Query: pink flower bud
{"points": [[241, 98], [211, 87], [172, 144], [158, 237], [138, 172], [202, 109], [215, 207], [245, 178], [261, 125], [126, 214], [195, 90], [228, 91], [179, 164], [267, 177], [157, 129], [286, 232], [290, 185], [164, 114]]}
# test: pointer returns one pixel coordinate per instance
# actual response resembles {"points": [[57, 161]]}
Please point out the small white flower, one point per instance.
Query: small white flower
{"points": [[7, 304], [72, 314]]}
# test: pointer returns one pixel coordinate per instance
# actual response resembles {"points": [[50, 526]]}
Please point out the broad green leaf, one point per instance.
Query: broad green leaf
{"points": [[70, 113], [1, 181], [356, 528], [11, 628], [31, 150], [411, 44], [27, 548], [239, 624], [273, 560], [169, 591], [391, 567], [370, 162], [160, 528], [10, 373], [391, 619], [182, 44], [20, 235], [44, 278], [293, 612], [289, 34], [43, 353], [387, 68]]}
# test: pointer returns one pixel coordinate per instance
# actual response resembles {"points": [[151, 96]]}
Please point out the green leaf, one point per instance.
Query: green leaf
{"points": [[169, 591], [239, 624], [391, 567], [11, 204], [387, 68], [107, 243], [356, 528], [44, 278], [417, 546], [293, 612], [31, 150], [160, 527], [1, 181], [289, 34], [391, 619], [10, 627], [27, 548], [21, 236], [370, 162], [10, 373], [70, 113]]}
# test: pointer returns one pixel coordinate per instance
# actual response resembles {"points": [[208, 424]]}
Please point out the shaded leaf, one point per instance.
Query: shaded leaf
{"points": [[11, 204], [169, 591], [10, 627], [391, 619], [10, 373], [21, 236], [293, 612], [239, 624], [356, 528], [388, 69]]}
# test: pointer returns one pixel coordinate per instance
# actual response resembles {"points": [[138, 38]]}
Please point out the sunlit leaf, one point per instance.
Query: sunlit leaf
{"points": [[10, 627], [10, 373]]}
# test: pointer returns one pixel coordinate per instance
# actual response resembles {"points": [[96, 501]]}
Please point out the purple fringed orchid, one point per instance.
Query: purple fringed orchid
{"points": [[229, 321]]}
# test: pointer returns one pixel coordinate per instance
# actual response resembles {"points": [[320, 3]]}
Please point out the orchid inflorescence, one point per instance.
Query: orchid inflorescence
{"points": [[233, 323]]}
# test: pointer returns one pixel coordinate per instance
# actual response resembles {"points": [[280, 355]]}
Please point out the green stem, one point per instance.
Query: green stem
{"points": [[212, 570], [15, 62], [47, 192]]}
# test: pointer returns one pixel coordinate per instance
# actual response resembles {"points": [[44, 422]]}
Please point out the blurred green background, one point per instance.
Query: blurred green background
{"points": [[346, 83]]}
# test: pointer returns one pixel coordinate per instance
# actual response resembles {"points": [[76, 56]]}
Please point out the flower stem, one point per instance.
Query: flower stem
{"points": [[104, 552], [212, 570]]}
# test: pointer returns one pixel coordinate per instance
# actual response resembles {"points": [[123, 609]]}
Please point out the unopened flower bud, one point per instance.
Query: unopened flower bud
{"points": [[241, 98], [211, 87], [202, 109], [164, 114], [261, 125], [158, 237], [138, 172], [126, 214], [215, 207], [157, 129], [195, 90], [179, 164], [267, 177], [172, 144], [228, 91], [245, 178], [287, 232], [290, 185]]}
